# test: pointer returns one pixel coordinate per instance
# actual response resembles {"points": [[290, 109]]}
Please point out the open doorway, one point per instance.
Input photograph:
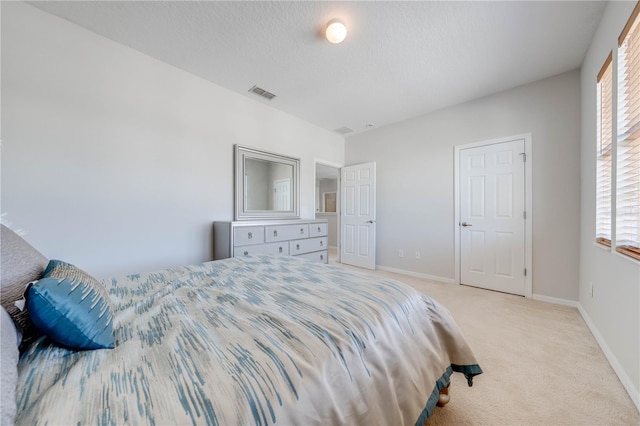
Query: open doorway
{"points": [[327, 204]]}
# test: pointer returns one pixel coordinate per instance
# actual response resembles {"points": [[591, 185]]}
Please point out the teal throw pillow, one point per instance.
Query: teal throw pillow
{"points": [[71, 308]]}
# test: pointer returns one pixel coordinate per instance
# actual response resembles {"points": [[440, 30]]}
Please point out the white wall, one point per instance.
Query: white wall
{"points": [[614, 309], [415, 191], [120, 163]]}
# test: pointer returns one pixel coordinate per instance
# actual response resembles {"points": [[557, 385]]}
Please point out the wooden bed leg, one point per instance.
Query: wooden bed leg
{"points": [[444, 397]]}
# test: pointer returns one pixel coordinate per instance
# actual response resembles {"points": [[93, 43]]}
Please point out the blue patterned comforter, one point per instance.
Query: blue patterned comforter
{"points": [[258, 340]]}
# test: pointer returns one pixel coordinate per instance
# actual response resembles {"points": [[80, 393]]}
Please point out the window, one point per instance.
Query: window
{"points": [[628, 139], [604, 152]]}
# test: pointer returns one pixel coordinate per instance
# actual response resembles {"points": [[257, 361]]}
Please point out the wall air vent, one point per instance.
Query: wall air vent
{"points": [[261, 92], [343, 130]]}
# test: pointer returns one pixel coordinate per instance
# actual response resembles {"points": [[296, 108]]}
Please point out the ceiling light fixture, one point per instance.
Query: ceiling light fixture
{"points": [[336, 31]]}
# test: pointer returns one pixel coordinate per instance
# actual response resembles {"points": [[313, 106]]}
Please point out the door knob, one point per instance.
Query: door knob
{"points": [[371, 221], [465, 224]]}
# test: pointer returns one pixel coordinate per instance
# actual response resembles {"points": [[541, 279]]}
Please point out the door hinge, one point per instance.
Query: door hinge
{"points": [[524, 157], [524, 215], [525, 272]]}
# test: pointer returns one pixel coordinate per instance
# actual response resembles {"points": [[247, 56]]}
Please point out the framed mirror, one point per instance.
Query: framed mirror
{"points": [[266, 185]]}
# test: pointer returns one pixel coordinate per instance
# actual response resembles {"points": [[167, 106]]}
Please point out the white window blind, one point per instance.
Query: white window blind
{"points": [[628, 141], [604, 152]]}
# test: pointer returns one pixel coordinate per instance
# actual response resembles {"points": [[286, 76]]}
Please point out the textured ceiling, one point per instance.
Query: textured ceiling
{"points": [[399, 60]]}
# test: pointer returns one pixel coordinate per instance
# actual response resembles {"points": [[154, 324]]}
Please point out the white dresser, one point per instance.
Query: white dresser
{"points": [[303, 238]]}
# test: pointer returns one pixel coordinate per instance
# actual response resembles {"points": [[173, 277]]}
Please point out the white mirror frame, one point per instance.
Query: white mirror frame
{"points": [[241, 154]]}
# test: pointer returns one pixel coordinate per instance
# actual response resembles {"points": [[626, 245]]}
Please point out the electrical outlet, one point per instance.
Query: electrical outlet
{"points": [[417, 255], [400, 253]]}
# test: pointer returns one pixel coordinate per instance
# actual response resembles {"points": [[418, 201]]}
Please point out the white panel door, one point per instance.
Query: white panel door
{"points": [[282, 195], [492, 217], [358, 215]]}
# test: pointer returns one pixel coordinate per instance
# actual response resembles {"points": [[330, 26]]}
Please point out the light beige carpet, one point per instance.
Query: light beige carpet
{"points": [[542, 365]]}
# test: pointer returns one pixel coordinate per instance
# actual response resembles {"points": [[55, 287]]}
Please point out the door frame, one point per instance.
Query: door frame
{"points": [[317, 161], [528, 202]]}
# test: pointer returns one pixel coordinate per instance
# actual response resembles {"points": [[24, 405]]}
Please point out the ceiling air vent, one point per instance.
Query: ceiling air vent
{"points": [[343, 130], [261, 92]]}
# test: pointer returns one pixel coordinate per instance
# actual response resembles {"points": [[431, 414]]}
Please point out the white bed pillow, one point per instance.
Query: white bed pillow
{"points": [[9, 361], [21, 264]]}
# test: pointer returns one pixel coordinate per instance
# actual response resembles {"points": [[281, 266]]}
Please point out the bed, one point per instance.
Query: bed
{"points": [[257, 340]]}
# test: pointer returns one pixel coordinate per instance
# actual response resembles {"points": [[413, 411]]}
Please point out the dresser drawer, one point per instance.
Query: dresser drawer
{"points": [[270, 248], [308, 245], [290, 237], [243, 235], [286, 232], [316, 256], [318, 229]]}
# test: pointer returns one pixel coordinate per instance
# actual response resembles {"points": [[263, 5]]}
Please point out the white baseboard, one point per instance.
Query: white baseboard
{"points": [[416, 274], [622, 375], [613, 361], [555, 300], [615, 364]]}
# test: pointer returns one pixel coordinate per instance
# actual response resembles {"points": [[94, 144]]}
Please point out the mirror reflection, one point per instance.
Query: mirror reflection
{"points": [[268, 185]]}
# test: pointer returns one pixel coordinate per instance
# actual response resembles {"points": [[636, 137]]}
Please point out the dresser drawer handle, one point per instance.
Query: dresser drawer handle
{"points": [[275, 233], [321, 243], [246, 253], [301, 231], [318, 229], [250, 235], [279, 249], [322, 257], [297, 246]]}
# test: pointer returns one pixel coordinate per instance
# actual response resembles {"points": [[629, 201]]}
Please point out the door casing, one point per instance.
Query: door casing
{"points": [[339, 177], [528, 178]]}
